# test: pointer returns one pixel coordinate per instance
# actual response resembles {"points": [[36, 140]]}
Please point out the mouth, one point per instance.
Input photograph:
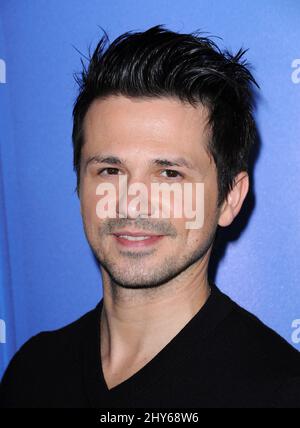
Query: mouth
{"points": [[136, 239]]}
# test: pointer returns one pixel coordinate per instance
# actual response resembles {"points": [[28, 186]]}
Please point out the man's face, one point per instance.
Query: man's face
{"points": [[147, 141]]}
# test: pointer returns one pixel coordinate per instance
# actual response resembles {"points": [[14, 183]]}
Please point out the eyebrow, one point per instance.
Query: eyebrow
{"points": [[114, 160]]}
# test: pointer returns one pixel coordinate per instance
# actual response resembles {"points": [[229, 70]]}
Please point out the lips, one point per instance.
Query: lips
{"points": [[136, 239], [131, 233]]}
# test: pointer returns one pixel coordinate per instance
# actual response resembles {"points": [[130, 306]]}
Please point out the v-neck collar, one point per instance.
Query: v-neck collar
{"points": [[175, 353]]}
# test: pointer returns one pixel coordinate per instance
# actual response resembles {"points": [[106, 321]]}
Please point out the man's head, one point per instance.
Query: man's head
{"points": [[169, 108]]}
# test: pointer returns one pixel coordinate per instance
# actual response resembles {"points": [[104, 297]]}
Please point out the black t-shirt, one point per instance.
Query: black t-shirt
{"points": [[223, 357]]}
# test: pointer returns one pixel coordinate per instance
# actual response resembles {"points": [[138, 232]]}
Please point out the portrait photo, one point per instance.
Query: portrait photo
{"points": [[149, 206]]}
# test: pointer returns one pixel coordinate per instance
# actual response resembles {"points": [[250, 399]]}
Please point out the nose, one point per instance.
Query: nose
{"points": [[134, 200]]}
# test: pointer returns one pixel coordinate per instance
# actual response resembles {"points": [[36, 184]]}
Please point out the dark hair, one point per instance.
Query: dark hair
{"points": [[159, 62]]}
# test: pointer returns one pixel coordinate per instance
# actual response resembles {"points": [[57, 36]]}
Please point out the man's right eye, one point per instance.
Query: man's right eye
{"points": [[108, 171]]}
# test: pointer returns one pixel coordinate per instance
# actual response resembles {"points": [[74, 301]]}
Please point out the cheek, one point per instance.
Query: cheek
{"points": [[210, 203], [88, 202], [199, 212], [191, 237]]}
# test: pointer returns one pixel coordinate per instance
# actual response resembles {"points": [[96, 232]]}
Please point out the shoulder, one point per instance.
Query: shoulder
{"points": [[43, 359], [62, 339], [261, 355], [264, 343]]}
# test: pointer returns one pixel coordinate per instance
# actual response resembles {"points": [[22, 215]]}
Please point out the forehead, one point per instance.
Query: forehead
{"points": [[144, 122]]}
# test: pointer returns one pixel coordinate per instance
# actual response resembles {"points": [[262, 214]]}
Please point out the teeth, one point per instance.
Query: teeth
{"points": [[135, 238]]}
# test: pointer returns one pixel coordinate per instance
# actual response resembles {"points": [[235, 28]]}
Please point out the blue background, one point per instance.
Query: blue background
{"points": [[48, 275]]}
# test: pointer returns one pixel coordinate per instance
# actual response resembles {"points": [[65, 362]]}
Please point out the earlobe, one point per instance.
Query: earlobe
{"points": [[234, 201]]}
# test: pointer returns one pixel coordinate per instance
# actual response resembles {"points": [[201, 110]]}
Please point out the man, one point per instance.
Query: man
{"points": [[158, 107]]}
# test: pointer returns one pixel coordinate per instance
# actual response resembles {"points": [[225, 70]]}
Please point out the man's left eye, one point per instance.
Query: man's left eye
{"points": [[172, 173]]}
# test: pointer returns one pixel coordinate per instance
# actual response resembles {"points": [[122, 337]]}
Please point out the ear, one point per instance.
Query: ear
{"points": [[234, 200]]}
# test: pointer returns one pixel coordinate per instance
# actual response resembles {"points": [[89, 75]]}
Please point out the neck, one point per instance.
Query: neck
{"points": [[137, 323]]}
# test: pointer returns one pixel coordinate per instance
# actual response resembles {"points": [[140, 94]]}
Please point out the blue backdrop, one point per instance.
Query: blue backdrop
{"points": [[48, 276]]}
